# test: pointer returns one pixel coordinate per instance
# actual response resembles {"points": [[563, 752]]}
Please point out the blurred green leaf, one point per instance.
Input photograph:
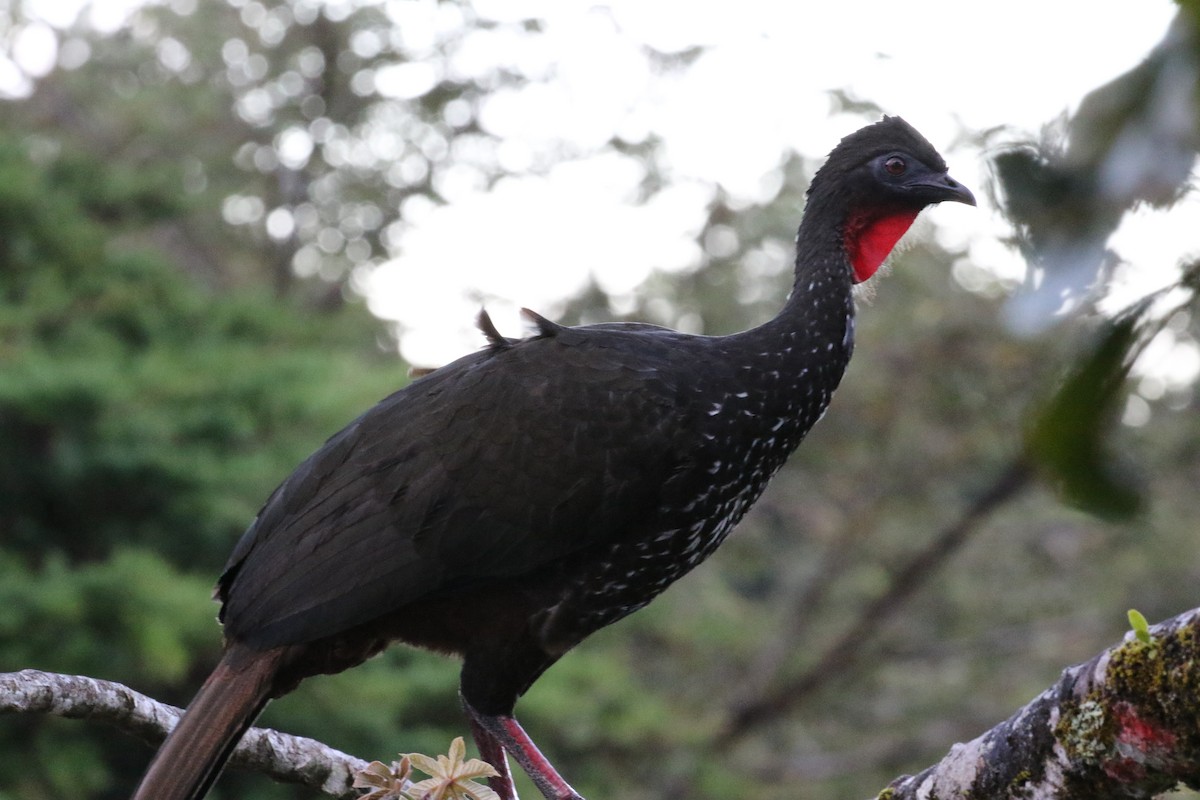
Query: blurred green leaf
{"points": [[1066, 437]]}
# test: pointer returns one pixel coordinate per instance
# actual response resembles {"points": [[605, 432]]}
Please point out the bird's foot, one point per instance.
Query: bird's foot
{"points": [[493, 753], [496, 735]]}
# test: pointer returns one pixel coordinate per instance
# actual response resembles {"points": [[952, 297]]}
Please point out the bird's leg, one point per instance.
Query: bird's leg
{"points": [[508, 733], [493, 753]]}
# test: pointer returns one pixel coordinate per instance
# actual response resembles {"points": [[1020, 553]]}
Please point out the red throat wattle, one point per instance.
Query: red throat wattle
{"points": [[869, 239]]}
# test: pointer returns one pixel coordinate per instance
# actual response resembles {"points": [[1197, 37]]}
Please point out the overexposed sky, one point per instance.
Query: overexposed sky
{"points": [[758, 90]]}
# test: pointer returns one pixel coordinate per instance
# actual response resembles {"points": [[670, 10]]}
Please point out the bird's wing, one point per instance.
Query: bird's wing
{"points": [[491, 467]]}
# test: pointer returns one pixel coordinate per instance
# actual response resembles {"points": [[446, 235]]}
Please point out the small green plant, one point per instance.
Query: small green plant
{"points": [[1141, 628]]}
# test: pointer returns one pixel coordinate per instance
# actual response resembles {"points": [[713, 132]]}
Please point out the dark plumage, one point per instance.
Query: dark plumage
{"points": [[506, 506]]}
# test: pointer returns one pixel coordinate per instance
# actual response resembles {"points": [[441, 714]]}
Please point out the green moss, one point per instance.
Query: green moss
{"points": [[1085, 730], [1019, 780], [1157, 680], [1162, 679]]}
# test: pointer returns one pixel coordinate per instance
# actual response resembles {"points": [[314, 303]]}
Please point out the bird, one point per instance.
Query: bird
{"points": [[507, 505]]}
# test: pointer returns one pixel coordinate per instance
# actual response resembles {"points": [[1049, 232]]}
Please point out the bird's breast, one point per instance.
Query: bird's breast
{"points": [[742, 440]]}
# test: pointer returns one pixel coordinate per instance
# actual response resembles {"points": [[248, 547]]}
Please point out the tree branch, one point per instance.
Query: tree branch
{"points": [[1124, 725], [286, 758], [750, 713]]}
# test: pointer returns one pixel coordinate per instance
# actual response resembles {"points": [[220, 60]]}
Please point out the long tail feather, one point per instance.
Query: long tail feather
{"points": [[192, 757]]}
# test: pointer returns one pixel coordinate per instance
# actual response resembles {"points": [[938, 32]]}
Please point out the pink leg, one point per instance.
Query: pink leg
{"points": [[511, 737], [493, 753]]}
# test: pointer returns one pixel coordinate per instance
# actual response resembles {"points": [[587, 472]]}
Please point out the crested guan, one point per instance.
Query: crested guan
{"points": [[509, 504]]}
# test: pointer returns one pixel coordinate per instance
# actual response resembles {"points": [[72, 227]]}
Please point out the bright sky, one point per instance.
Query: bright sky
{"points": [[759, 90]]}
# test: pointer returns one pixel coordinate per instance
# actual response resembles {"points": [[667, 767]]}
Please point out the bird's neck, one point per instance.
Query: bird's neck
{"points": [[815, 326], [835, 249], [790, 366]]}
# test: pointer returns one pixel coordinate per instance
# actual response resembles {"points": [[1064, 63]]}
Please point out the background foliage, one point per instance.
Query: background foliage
{"points": [[178, 328]]}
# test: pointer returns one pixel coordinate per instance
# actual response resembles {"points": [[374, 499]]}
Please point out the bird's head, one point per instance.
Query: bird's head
{"points": [[874, 184]]}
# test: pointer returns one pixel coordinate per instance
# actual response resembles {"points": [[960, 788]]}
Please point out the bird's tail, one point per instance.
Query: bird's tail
{"points": [[193, 755]]}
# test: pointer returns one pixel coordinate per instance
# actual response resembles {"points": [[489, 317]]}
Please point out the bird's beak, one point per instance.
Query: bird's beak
{"points": [[941, 187]]}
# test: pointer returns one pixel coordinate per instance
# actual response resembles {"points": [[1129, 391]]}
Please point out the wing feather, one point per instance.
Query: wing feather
{"points": [[490, 467]]}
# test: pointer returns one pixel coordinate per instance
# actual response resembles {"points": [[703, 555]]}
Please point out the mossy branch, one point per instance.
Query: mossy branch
{"points": [[1125, 724]]}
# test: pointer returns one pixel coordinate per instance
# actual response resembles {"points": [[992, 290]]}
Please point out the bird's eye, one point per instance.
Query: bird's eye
{"points": [[895, 165]]}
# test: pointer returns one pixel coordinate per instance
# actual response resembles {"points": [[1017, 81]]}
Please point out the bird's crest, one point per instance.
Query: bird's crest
{"points": [[496, 340], [545, 328]]}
